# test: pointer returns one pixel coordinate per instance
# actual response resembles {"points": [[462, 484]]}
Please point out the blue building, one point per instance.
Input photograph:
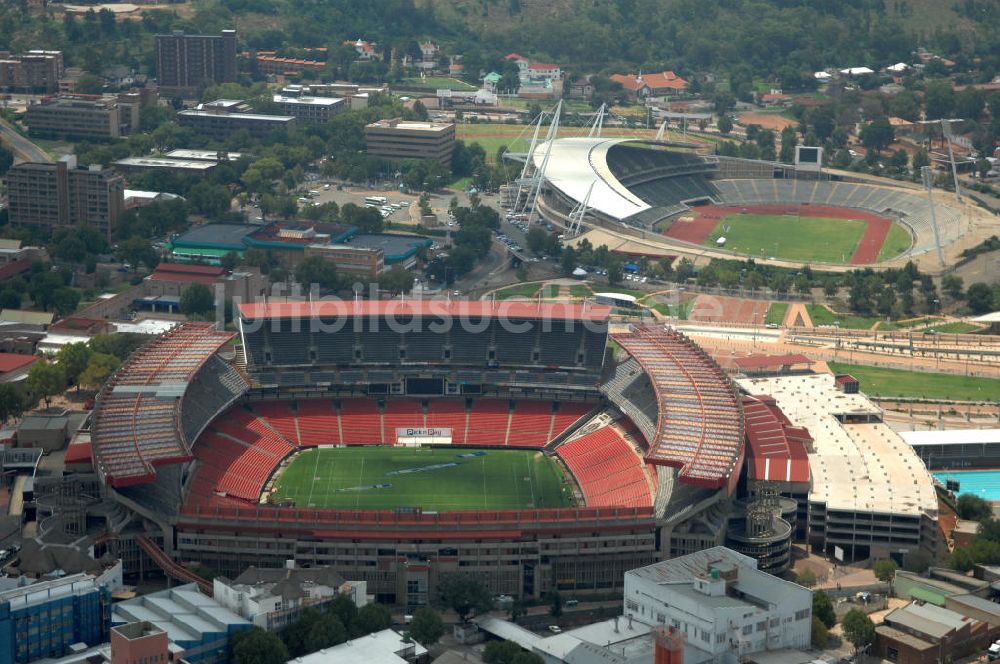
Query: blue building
{"points": [[194, 623], [44, 619]]}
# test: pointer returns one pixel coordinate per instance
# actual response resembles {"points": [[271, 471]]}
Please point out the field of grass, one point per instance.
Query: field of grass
{"points": [[820, 315], [813, 239], [898, 383], [776, 313], [550, 290], [958, 327], [438, 83], [444, 478], [518, 137], [580, 290], [896, 242], [679, 310], [518, 290], [907, 324]]}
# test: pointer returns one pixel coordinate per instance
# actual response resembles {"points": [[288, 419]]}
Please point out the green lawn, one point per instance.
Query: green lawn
{"points": [[896, 242], [820, 315], [776, 313], [580, 290], [491, 136], [958, 327], [813, 239], [518, 290], [680, 310], [443, 478], [898, 383], [438, 83], [550, 290], [907, 324]]}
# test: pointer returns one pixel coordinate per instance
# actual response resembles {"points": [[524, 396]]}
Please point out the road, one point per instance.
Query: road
{"points": [[23, 149]]}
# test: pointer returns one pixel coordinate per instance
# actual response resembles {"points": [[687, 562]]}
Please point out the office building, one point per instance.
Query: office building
{"points": [[219, 124], [722, 604], [402, 139], [60, 194], [198, 627], [139, 643], [310, 110], [82, 116], [44, 619], [185, 63], [34, 71], [193, 167], [271, 598], [368, 262]]}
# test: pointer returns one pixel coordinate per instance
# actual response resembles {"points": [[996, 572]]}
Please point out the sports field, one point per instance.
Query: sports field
{"points": [[813, 239], [876, 381], [436, 479]]}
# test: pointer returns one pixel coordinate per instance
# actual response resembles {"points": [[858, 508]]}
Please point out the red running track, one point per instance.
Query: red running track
{"points": [[706, 217]]}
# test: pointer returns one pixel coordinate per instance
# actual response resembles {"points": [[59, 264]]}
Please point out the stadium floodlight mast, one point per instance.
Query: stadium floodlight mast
{"points": [[928, 177]]}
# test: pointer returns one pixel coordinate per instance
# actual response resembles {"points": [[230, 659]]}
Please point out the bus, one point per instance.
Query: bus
{"points": [[376, 200]]}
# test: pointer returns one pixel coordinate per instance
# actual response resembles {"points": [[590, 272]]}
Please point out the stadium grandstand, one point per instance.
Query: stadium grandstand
{"points": [[212, 452], [635, 189]]}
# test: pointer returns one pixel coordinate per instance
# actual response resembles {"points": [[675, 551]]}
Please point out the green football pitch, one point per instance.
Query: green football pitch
{"points": [[791, 237], [437, 479]]}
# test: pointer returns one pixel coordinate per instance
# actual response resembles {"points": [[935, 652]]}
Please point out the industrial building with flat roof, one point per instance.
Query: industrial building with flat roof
{"points": [[311, 110], [78, 116], [404, 139], [55, 195], [206, 155], [721, 603], [221, 125], [167, 164], [870, 494]]}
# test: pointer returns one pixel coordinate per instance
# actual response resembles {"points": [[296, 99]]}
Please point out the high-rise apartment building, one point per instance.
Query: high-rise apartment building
{"points": [[34, 71], [185, 63], [60, 194]]}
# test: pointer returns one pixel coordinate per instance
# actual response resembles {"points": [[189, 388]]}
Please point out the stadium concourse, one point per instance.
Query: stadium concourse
{"points": [[634, 190], [644, 447]]}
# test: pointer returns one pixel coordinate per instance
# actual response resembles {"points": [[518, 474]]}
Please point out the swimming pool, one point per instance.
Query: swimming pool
{"points": [[983, 483]]}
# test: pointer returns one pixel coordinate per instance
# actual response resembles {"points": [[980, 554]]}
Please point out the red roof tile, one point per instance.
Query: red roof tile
{"points": [[13, 361], [666, 80]]}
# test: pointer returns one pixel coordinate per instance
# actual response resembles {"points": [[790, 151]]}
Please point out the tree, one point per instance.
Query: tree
{"points": [[45, 380], [229, 261], [463, 594], [615, 271], [11, 402], [326, 631], [877, 135], [820, 634], [917, 561], [211, 200], [501, 652], [426, 627], [257, 646], [10, 299], [555, 603], [395, 281], [858, 629], [73, 358], [43, 288], [885, 571], [953, 285], [724, 123], [317, 270], [136, 250], [197, 300], [89, 84], [516, 609], [344, 608], [972, 507], [684, 270], [99, 368], [371, 618], [983, 167], [537, 239], [823, 608], [65, 301], [980, 298], [806, 578], [939, 99]]}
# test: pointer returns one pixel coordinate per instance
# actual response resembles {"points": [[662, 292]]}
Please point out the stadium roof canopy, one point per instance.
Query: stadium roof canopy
{"points": [[952, 437], [426, 308], [700, 422], [575, 163], [777, 449]]}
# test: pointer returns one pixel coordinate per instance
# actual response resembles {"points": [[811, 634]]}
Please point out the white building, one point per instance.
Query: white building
{"points": [[272, 598], [723, 605], [385, 647]]}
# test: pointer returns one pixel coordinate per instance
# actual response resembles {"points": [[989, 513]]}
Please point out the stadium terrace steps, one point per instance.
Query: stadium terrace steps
{"points": [[608, 469]]}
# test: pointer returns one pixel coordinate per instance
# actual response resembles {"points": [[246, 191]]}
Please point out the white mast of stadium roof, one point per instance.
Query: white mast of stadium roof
{"points": [[539, 177], [595, 129], [928, 177], [518, 204], [946, 135], [576, 214], [659, 132]]}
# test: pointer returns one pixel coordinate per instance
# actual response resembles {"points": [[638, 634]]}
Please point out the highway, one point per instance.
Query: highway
{"points": [[24, 150]]}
